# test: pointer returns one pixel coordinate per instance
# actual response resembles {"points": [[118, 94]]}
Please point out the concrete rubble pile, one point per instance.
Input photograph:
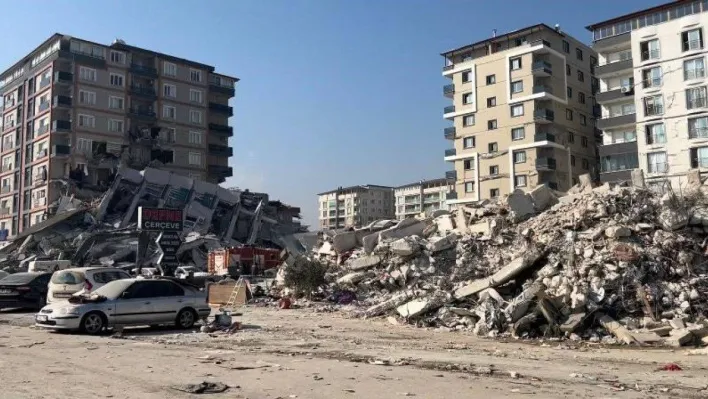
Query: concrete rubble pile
{"points": [[104, 231], [621, 264]]}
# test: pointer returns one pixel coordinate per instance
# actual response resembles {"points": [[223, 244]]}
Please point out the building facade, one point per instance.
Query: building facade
{"points": [[74, 110], [521, 113], [421, 197], [654, 93], [355, 206]]}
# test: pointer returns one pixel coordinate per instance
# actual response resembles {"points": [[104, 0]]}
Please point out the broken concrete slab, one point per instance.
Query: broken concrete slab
{"points": [[405, 228], [680, 337], [440, 244], [353, 278], [421, 306], [543, 197], [365, 262], [617, 232], [615, 328], [664, 331], [504, 275], [520, 205], [637, 176], [646, 337], [573, 322], [519, 306], [406, 246]]}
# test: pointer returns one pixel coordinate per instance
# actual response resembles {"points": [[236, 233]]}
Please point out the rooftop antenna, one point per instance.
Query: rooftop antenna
{"points": [[494, 33], [558, 28]]}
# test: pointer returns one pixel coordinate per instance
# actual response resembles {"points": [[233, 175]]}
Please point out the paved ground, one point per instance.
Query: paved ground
{"points": [[303, 354]]}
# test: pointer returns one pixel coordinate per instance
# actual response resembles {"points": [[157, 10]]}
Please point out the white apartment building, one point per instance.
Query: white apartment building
{"points": [[422, 197], [355, 206]]}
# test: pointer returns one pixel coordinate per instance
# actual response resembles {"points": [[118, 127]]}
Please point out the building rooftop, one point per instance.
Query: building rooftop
{"points": [[505, 36], [430, 182], [359, 187], [635, 14]]}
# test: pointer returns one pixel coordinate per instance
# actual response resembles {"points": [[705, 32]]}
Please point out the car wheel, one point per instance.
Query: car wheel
{"points": [[92, 323], [186, 318]]}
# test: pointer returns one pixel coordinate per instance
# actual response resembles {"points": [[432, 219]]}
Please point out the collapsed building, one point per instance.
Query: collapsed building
{"points": [[104, 231]]}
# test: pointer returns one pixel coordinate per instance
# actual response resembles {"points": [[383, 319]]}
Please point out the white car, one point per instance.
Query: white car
{"points": [[68, 282], [183, 272]]}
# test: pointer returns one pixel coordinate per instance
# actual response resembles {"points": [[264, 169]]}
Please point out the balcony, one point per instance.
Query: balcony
{"points": [[44, 106], [62, 101], [450, 152], [143, 91], [217, 88], [223, 130], [448, 90], [60, 150], [452, 195], [545, 46], [544, 115], [617, 148], [448, 110], [448, 67], [612, 42], [451, 175], [450, 132], [221, 150], [541, 68], [42, 130], [39, 202], [143, 113], [546, 163], [63, 77], [544, 137], [44, 83], [61, 126], [542, 89], [221, 171], [38, 180], [616, 121], [619, 94], [613, 68], [143, 70], [221, 108]]}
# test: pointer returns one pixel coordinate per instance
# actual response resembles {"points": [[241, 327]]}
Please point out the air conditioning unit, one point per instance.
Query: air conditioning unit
{"points": [[625, 89]]}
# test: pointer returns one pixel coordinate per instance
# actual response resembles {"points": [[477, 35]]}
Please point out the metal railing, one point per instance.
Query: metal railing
{"points": [[449, 109], [544, 137], [691, 45], [450, 132], [661, 167], [651, 55], [698, 132], [450, 152], [652, 82], [653, 110], [699, 102]]}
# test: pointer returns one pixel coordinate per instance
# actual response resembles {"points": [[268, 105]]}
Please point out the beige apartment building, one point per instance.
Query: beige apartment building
{"points": [[355, 206], [421, 197], [521, 113], [654, 93], [74, 110]]}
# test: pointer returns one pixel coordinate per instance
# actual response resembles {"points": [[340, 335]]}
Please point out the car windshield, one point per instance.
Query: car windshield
{"points": [[113, 289], [19, 278], [68, 277]]}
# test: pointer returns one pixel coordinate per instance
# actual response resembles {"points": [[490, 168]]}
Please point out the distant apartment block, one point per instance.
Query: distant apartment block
{"points": [[653, 92], [422, 197], [355, 206], [521, 113], [73, 109]]}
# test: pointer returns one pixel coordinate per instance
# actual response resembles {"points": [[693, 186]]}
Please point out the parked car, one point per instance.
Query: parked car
{"points": [[183, 272], [65, 283], [3, 274], [127, 302], [147, 272], [24, 290]]}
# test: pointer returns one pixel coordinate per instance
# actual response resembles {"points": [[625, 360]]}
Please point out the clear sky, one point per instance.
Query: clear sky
{"points": [[332, 92]]}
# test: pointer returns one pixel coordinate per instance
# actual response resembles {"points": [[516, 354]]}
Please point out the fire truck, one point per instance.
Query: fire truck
{"points": [[244, 260]]}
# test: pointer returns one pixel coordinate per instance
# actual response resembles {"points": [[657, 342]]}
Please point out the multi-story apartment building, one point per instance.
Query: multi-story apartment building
{"points": [[654, 62], [75, 109], [522, 113], [421, 197], [355, 206]]}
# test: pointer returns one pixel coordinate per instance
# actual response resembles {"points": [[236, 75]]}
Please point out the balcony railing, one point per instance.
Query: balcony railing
{"points": [[692, 45], [544, 114], [220, 170], [544, 137], [63, 77], [225, 109], [661, 167], [142, 90], [699, 102], [546, 163], [38, 202], [542, 89], [62, 101], [222, 150], [61, 149], [221, 129], [44, 106], [142, 112], [452, 195], [542, 67], [653, 82], [143, 70], [651, 55], [42, 130], [44, 83], [449, 109], [61, 126], [450, 152], [448, 90], [451, 175], [698, 132], [651, 110], [450, 132], [448, 67]]}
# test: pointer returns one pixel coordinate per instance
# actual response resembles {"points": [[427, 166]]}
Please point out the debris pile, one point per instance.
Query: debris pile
{"points": [[610, 264]]}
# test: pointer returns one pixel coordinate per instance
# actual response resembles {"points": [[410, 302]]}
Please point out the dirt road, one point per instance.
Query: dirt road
{"points": [[303, 354]]}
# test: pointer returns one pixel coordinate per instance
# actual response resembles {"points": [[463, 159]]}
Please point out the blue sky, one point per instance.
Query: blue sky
{"points": [[333, 92]]}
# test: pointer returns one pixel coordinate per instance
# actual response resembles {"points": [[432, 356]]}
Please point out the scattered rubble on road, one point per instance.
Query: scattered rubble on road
{"points": [[602, 264]]}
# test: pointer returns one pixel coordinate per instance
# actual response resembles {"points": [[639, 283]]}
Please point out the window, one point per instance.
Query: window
{"points": [[584, 141], [515, 63], [195, 75], [169, 69], [586, 164], [469, 187], [583, 120], [115, 125], [117, 57], [491, 102], [493, 147], [699, 157], [87, 74], [494, 170], [581, 76], [569, 114], [654, 105], [195, 137], [572, 160], [651, 77], [116, 102], [465, 76], [698, 128], [569, 92], [468, 120], [491, 125], [520, 181], [692, 40], [467, 98], [169, 90], [169, 112], [579, 54], [650, 50], [657, 162], [195, 158], [468, 164], [87, 97], [168, 134], [581, 97], [491, 79], [117, 80], [571, 137], [494, 193], [196, 96], [694, 69], [87, 121], [656, 134], [195, 116], [566, 47], [84, 145], [620, 137], [517, 87], [518, 133], [468, 142], [696, 97], [517, 110], [567, 69], [520, 157]]}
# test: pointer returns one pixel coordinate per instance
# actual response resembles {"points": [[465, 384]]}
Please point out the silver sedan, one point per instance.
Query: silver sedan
{"points": [[129, 302]]}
